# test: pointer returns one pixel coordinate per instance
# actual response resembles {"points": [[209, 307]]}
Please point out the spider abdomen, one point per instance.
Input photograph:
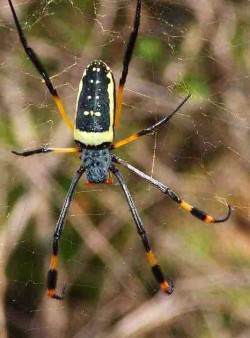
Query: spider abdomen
{"points": [[95, 107], [96, 163]]}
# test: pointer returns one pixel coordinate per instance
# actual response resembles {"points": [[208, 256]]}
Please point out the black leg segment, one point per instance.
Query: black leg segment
{"points": [[45, 150], [126, 60]]}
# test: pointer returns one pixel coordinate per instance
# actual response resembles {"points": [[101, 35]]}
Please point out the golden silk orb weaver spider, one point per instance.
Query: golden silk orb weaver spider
{"points": [[97, 116]]}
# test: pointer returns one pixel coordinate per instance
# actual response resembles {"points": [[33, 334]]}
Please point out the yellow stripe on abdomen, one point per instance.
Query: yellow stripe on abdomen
{"points": [[93, 138]]}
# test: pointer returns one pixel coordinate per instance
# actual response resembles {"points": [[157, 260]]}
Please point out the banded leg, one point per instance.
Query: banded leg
{"points": [[156, 269], [45, 150], [38, 65], [52, 273], [127, 58], [150, 129], [200, 214]]}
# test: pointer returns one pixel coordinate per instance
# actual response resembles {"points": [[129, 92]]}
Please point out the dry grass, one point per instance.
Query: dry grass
{"points": [[197, 46]]}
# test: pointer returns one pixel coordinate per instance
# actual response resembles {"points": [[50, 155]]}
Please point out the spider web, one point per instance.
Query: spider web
{"points": [[200, 47]]}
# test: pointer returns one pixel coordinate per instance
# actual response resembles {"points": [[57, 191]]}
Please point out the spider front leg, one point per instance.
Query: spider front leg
{"points": [[167, 287], [200, 214], [40, 68], [52, 273], [126, 61]]}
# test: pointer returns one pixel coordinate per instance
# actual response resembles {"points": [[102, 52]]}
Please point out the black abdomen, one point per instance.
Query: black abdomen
{"points": [[95, 105]]}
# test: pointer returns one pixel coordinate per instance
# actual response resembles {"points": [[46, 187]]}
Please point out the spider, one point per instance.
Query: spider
{"points": [[97, 116]]}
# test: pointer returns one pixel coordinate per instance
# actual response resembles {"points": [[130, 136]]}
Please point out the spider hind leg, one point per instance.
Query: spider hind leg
{"points": [[52, 273], [166, 285]]}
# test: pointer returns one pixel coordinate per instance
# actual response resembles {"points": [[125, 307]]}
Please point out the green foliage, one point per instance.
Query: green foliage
{"points": [[152, 50]]}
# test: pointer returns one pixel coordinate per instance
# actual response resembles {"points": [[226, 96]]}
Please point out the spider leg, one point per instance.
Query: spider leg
{"points": [[45, 150], [52, 273], [200, 214], [38, 65], [150, 129], [156, 269], [127, 58]]}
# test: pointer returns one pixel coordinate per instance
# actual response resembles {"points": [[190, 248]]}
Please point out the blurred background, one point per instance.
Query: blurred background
{"points": [[201, 47]]}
